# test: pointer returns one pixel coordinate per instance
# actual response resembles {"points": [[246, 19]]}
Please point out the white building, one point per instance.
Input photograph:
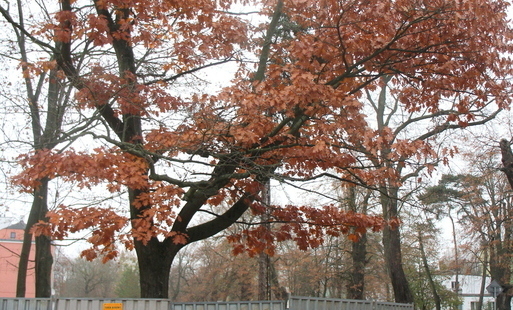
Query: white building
{"points": [[469, 291]]}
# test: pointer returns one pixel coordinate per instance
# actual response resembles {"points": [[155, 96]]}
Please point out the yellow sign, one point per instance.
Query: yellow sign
{"points": [[113, 306]]}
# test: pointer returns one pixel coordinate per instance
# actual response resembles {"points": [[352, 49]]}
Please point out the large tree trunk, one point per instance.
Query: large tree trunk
{"points": [[264, 281], [500, 270], [504, 299], [500, 254], [154, 257], [44, 262], [21, 283], [392, 249], [393, 260], [154, 261], [356, 283], [44, 258]]}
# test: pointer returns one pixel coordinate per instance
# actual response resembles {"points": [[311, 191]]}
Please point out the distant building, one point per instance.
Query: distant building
{"points": [[469, 291], [11, 240]]}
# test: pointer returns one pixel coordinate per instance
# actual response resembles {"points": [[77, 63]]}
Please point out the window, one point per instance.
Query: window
{"points": [[455, 285], [13, 235], [489, 305]]}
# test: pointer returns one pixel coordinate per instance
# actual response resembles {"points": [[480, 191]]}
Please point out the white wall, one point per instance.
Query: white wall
{"points": [[470, 287]]}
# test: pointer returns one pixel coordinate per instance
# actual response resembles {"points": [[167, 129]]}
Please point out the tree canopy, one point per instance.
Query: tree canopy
{"points": [[293, 112]]}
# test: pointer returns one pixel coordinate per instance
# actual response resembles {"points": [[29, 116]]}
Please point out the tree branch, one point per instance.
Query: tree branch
{"points": [[221, 222]]}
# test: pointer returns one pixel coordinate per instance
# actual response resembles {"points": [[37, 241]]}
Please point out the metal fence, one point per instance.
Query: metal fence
{"points": [[311, 303], [293, 303]]}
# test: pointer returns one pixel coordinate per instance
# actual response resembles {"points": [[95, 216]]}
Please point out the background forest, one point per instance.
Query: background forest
{"points": [[250, 149]]}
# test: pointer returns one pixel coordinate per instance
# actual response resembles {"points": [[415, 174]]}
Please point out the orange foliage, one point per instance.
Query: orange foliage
{"points": [[307, 227], [105, 225], [104, 165], [306, 117]]}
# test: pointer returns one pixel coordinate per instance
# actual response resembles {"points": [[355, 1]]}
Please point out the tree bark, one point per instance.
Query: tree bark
{"points": [[503, 300], [154, 260], [393, 259], [507, 160], [484, 273], [392, 249], [356, 284], [500, 254], [44, 255], [44, 262], [35, 210], [432, 286], [456, 254], [264, 281]]}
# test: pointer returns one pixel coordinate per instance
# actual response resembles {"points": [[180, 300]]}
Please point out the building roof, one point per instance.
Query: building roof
{"points": [[19, 225], [5, 221]]}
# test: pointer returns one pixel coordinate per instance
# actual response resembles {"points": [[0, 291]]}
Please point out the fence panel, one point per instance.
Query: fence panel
{"points": [[293, 303], [380, 305], [231, 305], [78, 304], [312, 303], [25, 304], [97, 304]]}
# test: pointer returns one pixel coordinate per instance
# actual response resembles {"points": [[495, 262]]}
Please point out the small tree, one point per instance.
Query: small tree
{"points": [[45, 101], [128, 284], [87, 279], [484, 204]]}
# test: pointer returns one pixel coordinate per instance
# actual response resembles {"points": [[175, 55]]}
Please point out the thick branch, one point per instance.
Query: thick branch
{"points": [[446, 126], [197, 197], [221, 222], [264, 56], [178, 75], [507, 160]]}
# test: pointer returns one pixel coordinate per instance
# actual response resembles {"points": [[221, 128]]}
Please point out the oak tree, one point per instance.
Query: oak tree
{"points": [[183, 153]]}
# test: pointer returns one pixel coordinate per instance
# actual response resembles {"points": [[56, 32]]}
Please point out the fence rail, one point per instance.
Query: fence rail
{"points": [[293, 303]]}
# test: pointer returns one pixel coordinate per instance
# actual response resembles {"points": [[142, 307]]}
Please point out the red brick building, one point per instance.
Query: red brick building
{"points": [[11, 240]]}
